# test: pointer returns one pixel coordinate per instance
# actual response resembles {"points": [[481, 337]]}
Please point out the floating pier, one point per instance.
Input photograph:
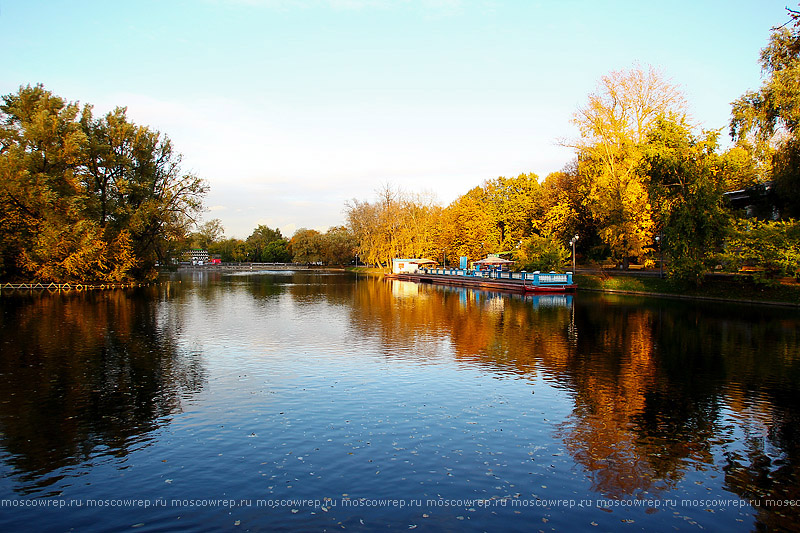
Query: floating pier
{"points": [[525, 282]]}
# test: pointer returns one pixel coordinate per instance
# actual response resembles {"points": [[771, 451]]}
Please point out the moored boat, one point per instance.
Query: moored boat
{"points": [[526, 282], [489, 273]]}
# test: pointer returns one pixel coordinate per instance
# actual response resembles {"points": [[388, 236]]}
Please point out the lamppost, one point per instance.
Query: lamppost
{"points": [[660, 256], [573, 242]]}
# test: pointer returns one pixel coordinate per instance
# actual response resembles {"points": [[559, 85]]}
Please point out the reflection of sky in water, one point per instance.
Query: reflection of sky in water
{"points": [[312, 386]]}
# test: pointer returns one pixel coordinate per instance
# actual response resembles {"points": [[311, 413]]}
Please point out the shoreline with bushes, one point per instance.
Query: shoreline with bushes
{"points": [[734, 289]]}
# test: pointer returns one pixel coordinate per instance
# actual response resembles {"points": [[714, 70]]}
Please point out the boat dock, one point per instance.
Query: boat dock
{"points": [[525, 282]]}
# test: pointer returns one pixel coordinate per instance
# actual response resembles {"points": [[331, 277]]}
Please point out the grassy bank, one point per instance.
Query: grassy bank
{"points": [[367, 270], [731, 289]]}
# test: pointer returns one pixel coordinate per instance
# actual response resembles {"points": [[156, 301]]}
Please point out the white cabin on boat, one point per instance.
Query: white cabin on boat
{"points": [[409, 266]]}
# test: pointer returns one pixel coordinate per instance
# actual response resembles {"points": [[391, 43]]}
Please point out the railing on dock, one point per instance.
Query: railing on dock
{"points": [[534, 278]]}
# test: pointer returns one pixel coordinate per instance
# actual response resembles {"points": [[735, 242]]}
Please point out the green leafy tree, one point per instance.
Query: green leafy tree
{"points": [[740, 169], [306, 246], [135, 184], [686, 188], [541, 252], [258, 242], [771, 245], [207, 235], [277, 252], [338, 246], [768, 119], [230, 250]]}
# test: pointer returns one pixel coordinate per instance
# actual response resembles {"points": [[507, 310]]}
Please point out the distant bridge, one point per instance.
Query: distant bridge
{"points": [[248, 267]]}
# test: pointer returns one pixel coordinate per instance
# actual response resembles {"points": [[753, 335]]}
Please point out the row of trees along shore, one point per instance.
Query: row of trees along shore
{"points": [[104, 198], [644, 184], [266, 245]]}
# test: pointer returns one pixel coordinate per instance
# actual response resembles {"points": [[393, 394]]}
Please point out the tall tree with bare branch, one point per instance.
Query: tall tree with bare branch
{"points": [[613, 124]]}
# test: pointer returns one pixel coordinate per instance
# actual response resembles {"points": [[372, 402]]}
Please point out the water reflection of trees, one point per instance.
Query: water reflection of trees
{"points": [[315, 287], [633, 429], [759, 356], [660, 387], [660, 384], [502, 332], [82, 372]]}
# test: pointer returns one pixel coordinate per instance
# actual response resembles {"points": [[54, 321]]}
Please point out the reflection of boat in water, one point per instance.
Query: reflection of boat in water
{"points": [[552, 300], [525, 282], [547, 300]]}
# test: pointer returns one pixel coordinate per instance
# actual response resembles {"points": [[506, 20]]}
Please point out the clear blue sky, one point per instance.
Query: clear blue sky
{"points": [[290, 108]]}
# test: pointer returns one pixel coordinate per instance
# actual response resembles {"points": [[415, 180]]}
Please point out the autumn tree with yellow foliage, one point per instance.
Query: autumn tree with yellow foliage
{"points": [[85, 198], [614, 124], [495, 217], [469, 227], [396, 224]]}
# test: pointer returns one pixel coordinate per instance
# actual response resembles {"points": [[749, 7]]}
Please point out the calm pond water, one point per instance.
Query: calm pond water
{"points": [[312, 401]]}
